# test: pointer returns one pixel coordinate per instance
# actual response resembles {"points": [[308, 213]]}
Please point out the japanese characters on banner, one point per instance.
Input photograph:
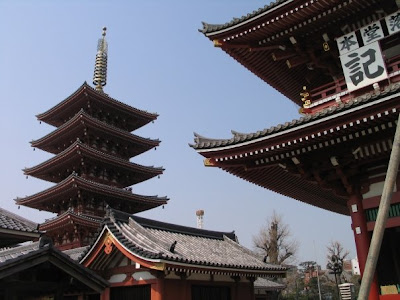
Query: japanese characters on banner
{"points": [[363, 66], [361, 59]]}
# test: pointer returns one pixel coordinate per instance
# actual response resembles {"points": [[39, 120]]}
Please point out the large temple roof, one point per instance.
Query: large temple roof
{"points": [[15, 229], [315, 159], [186, 247], [341, 110], [82, 124], [52, 198], [86, 96], [213, 28], [60, 166], [282, 43]]}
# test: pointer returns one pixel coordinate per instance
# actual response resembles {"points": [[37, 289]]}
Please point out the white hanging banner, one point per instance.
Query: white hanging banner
{"points": [[393, 22], [363, 66], [372, 32], [347, 43]]}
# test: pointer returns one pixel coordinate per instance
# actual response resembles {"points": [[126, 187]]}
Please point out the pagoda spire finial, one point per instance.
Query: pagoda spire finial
{"points": [[100, 67]]}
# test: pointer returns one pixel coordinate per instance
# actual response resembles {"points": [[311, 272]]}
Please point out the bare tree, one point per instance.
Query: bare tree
{"points": [[274, 241], [336, 255], [336, 248]]}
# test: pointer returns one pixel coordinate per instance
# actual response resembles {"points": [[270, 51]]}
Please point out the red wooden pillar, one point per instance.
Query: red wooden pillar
{"points": [[362, 238], [157, 289], [105, 295]]}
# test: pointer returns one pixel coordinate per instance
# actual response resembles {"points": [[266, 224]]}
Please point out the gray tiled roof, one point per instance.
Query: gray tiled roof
{"points": [[209, 28], [22, 258], [76, 253], [14, 252], [262, 283], [153, 239], [201, 142], [11, 221]]}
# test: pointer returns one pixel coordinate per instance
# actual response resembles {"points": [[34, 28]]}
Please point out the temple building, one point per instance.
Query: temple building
{"points": [[339, 62], [96, 248]]}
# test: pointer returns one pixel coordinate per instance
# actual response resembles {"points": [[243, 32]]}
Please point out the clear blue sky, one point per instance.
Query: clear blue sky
{"points": [[159, 62]]}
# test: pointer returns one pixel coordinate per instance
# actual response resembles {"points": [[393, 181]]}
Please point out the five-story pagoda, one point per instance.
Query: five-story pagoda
{"points": [[91, 169]]}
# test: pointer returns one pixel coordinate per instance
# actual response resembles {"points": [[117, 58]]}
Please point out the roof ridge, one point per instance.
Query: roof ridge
{"points": [[11, 250], [187, 230]]}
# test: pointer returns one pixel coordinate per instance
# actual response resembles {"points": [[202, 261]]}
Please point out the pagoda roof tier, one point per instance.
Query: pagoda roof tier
{"points": [[282, 42], [171, 247], [70, 218], [319, 158], [60, 195], [79, 155], [81, 125], [88, 98]]}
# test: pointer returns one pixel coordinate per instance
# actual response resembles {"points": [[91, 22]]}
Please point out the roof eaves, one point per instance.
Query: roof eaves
{"points": [[203, 144], [215, 29]]}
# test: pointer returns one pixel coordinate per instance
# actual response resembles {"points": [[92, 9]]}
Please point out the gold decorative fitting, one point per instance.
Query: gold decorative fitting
{"points": [[326, 47], [159, 266], [305, 97], [208, 162], [217, 43], [108, 245]]}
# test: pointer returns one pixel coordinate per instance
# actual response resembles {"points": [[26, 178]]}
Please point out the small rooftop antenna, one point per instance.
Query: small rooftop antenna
{"points": [[100, 67], [200, 214]]}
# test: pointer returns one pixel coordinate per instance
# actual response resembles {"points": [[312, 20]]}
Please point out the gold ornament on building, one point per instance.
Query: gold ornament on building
{"points": [[208, 162], [217, 43], [326, 47], [305, 97], [108, 245]]}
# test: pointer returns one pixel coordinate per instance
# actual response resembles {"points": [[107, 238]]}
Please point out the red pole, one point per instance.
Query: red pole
{"points": [[361, 237]]}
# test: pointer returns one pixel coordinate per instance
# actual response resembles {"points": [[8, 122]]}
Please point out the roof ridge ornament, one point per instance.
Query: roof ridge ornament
{"points": [[100, 67]]}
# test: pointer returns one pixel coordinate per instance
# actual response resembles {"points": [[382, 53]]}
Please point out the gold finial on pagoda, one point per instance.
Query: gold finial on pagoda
{"points": [[100, 67], [305, 97]]}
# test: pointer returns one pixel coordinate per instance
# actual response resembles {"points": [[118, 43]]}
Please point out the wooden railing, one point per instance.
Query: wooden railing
{"points": [[330, 91]]}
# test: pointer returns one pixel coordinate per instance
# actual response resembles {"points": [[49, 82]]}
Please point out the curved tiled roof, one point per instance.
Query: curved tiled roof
{"points": [[78, 149], [264, 284], [201, 142], [210, 28], [22, 258], [11, 221], [83, 120], [70, 214], [281, 42], [14, 252], [50, 115], [193, 247], [75, 182]]}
